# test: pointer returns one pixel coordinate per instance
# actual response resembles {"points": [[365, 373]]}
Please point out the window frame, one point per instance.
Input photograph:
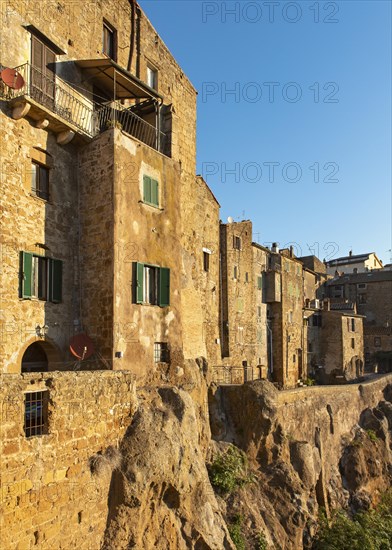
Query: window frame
{"points": [[162, 284], [42, 428], [41, 278], [151, 191], [36, 175], [151, 70], [206, 261], [161, 352], [237, 242], [109, 47]]}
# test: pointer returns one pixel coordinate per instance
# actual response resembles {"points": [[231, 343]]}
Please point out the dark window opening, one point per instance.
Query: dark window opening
{"points": [[353, 325], [41, 278], [377, 341], [36, 413], [40, 180], [152, 285], [35, 359], [353, 343], [206, 261], [237, 242], [109, 41], [161, 352]]}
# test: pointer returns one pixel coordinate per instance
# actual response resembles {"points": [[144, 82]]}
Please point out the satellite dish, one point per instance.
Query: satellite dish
{"points": [[81, 346], [12, 79], [230, 219]]}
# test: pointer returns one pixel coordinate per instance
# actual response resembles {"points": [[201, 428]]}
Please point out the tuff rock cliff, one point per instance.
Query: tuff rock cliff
{"points": [[305, 449]]}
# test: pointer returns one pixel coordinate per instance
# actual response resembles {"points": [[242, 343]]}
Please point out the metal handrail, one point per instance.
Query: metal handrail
{"points": [[73, 107], [229, 375]]}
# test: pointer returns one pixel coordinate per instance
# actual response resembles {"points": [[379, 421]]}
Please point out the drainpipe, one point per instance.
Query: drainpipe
{"points": [[271, 355], [132, 37], [139, 16]]}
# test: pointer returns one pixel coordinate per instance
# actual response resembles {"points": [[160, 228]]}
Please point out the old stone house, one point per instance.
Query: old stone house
{"points": [[354, 263], [372, 294], [97, 159]]}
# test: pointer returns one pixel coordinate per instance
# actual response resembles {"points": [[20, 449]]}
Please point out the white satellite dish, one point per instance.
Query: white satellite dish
{"points": [[230, 219]]}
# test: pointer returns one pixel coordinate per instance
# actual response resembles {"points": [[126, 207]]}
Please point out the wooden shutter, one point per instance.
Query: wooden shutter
{"points": [[154, 193], [146, 189], [138, 275], [164, 287], [55, 280], [49, 72], [37, 62], [26, 274], [259, 283]]}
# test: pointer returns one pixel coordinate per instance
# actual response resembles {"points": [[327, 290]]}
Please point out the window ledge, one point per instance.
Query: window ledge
{"points": [[45, 201], [151, 205]]}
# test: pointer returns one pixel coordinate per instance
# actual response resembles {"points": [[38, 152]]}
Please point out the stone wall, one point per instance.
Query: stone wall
{"points": [[49, 497]]}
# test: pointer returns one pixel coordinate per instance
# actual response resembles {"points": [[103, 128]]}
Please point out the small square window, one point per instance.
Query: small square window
{"points": [[40, 181], [152, 78], [161, 352], [36, 413], [206, 261]]}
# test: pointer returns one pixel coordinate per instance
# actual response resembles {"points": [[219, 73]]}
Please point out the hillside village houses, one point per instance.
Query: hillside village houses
{"points": [[115, 265]]}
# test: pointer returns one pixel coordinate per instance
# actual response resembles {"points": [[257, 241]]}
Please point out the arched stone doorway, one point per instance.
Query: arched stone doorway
{"points": [[35, 359]]}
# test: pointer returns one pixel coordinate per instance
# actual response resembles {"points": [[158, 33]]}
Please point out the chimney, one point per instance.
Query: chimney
{"points": [[291, 251], [350, 253], [275, 248]]}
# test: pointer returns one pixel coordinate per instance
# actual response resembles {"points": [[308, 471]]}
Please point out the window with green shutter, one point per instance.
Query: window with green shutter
{"points": [[151, 284], [150, 191], [41, 277], [259, 283], [164, 287]]}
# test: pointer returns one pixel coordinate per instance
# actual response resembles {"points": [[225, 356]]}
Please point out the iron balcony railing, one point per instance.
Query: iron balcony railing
{"points": [[231, 375], [59, 97], [130, 123]]}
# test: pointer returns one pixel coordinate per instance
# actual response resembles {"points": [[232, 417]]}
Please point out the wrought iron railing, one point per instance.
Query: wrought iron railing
{"points": [[130, 123], [57, 96], [74, 108], [231, 375]]}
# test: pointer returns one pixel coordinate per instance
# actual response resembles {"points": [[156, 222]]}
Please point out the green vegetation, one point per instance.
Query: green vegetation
{"points": [[370, 530], [309, 382], [372, 435], [261, 542], [229, 470], [236, 533]]}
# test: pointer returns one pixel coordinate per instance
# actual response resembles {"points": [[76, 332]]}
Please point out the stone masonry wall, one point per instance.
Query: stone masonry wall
{"points": [[49, 497]]}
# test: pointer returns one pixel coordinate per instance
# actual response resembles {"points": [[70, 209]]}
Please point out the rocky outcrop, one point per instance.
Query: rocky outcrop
{"points": [[308, 449], [161, 496]]}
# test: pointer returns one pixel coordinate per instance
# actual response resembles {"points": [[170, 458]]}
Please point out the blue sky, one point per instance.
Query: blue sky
{"points": [[314, 98]]}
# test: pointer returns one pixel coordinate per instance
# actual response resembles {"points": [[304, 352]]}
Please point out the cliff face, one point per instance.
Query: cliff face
{"points": [[306, 448]]}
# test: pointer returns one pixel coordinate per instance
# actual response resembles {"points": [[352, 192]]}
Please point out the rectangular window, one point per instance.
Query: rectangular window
{"points": [[206, 261], [247, 277], [109, 41], [41, 278], [152, 78], [36, 413], [236, 242], [362, 286], [353, 343], [161, 352], [40, 181], [258, 311], [240, 335], [235, 274], [150, 191], [152, 285], [362, 298], [259, 283], [377, 341], [316, 320], [43, 73], [353, 325]]}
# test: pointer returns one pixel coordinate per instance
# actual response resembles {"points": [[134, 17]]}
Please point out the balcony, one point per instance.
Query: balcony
{"points": [[54, 104]]}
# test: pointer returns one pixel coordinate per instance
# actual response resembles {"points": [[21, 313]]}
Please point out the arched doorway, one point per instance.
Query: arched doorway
{"points": [[35, 359]]}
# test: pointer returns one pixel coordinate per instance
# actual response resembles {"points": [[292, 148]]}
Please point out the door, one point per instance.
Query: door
{"points": [[43, 75]]}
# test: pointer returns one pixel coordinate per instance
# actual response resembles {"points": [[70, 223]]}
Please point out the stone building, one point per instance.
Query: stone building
{"points": [[97, 158], [354, 263], [243, 321], [372, 294]]}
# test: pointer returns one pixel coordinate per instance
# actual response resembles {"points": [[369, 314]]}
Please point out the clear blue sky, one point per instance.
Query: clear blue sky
{"points": [[347, 124]]}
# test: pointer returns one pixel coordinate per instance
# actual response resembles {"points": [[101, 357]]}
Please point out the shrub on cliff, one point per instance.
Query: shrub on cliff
{"points": [[229, 470], [371, 530]]}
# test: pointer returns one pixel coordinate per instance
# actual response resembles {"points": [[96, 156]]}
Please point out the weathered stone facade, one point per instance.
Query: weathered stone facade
{"points": [[49, 496]]}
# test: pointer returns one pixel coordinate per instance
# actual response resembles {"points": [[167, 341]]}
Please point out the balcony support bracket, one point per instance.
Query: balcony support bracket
{"points": [[20, 110], [41, 124], [65, 137]]}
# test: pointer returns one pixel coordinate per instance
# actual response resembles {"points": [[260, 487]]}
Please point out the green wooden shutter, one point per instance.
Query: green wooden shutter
{"points": [[26, 273], [154, 193], [55, 280], [164, 287], [139, 273], [259, 283], [146, 189]]}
